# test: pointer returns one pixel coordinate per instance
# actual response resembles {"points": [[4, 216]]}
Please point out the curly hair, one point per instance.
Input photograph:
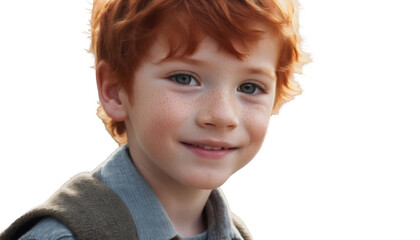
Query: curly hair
{"points": [[122, 31]]}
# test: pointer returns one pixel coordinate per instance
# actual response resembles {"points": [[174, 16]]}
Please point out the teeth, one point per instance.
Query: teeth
{"points": [[209, 147]]}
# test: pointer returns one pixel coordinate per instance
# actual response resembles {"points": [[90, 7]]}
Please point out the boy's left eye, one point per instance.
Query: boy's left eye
{"points": [[184, 79], [249, 88]]}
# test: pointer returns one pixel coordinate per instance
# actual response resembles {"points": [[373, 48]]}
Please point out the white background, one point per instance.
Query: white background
{"points": [[341, 161]]}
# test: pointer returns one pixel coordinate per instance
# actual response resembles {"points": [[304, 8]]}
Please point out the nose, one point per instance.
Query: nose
{"points": [[218, 111]]}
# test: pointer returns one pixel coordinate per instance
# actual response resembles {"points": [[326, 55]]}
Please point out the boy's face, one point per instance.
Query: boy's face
{"points": [[195, 121]]}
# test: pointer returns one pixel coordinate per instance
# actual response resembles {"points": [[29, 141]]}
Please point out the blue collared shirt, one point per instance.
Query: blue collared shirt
{"points": [[150, 218]]}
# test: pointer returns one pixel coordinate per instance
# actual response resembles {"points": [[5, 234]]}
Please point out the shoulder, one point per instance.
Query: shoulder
{"points": [[48, 229]]}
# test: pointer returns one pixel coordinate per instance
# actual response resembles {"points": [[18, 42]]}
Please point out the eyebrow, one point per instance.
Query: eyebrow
{"points": [[186, 60], [262, 71]]}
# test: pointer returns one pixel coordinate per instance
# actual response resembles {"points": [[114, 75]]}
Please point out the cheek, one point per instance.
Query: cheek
{"points": [[257, 119], [164, 117], [256, 125]]}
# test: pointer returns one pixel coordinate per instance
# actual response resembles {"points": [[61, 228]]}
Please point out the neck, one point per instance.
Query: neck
{"points": [[185, 209], [184, 206]]}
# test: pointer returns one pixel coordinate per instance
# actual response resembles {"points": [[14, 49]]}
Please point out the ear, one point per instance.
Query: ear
{"points": [[109, 92]]}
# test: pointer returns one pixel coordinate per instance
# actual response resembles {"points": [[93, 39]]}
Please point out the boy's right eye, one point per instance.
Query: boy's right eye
{"points": [[184, 79]]}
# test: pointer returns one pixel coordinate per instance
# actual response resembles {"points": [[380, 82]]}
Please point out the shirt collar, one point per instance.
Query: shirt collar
{"points": [[150, 218], [219, 220]]}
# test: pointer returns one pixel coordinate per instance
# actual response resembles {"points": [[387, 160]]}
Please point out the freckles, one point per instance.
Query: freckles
{"points": [[165, 114]]}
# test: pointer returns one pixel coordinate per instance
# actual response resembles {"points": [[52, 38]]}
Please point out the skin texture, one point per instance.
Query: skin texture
{"points": [[181, 106]]}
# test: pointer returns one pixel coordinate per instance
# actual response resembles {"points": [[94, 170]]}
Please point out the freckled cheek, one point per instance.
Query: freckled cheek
{"points": [[166, 115]]}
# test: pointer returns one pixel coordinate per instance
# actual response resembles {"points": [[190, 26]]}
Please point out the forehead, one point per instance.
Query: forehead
{"points": [[265, 47]]}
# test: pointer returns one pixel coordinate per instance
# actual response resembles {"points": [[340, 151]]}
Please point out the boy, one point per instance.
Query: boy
{"points": [[187, 89]]}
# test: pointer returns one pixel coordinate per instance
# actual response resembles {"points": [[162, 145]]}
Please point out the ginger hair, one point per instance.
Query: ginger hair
{"points": [[122, 31]]}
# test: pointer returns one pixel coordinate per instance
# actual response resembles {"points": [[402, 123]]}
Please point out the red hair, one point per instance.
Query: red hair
{"points": [[123, 31]]}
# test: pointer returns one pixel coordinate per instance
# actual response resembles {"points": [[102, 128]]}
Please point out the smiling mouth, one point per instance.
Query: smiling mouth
{"points": [[207, 147]]}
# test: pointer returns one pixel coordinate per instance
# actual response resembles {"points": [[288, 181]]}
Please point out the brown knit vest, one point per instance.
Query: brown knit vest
{"points": [[87, 207]]}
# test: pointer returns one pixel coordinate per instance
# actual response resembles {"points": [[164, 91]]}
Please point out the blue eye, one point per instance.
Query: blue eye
{"points": [[249, 88], [184, 79]]}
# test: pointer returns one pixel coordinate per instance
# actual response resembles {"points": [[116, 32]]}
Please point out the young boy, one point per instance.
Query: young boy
{"points": [[187, 89]]}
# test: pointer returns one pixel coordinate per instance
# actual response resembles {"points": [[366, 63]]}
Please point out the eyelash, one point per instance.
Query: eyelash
{"points": [[193, 78]]}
